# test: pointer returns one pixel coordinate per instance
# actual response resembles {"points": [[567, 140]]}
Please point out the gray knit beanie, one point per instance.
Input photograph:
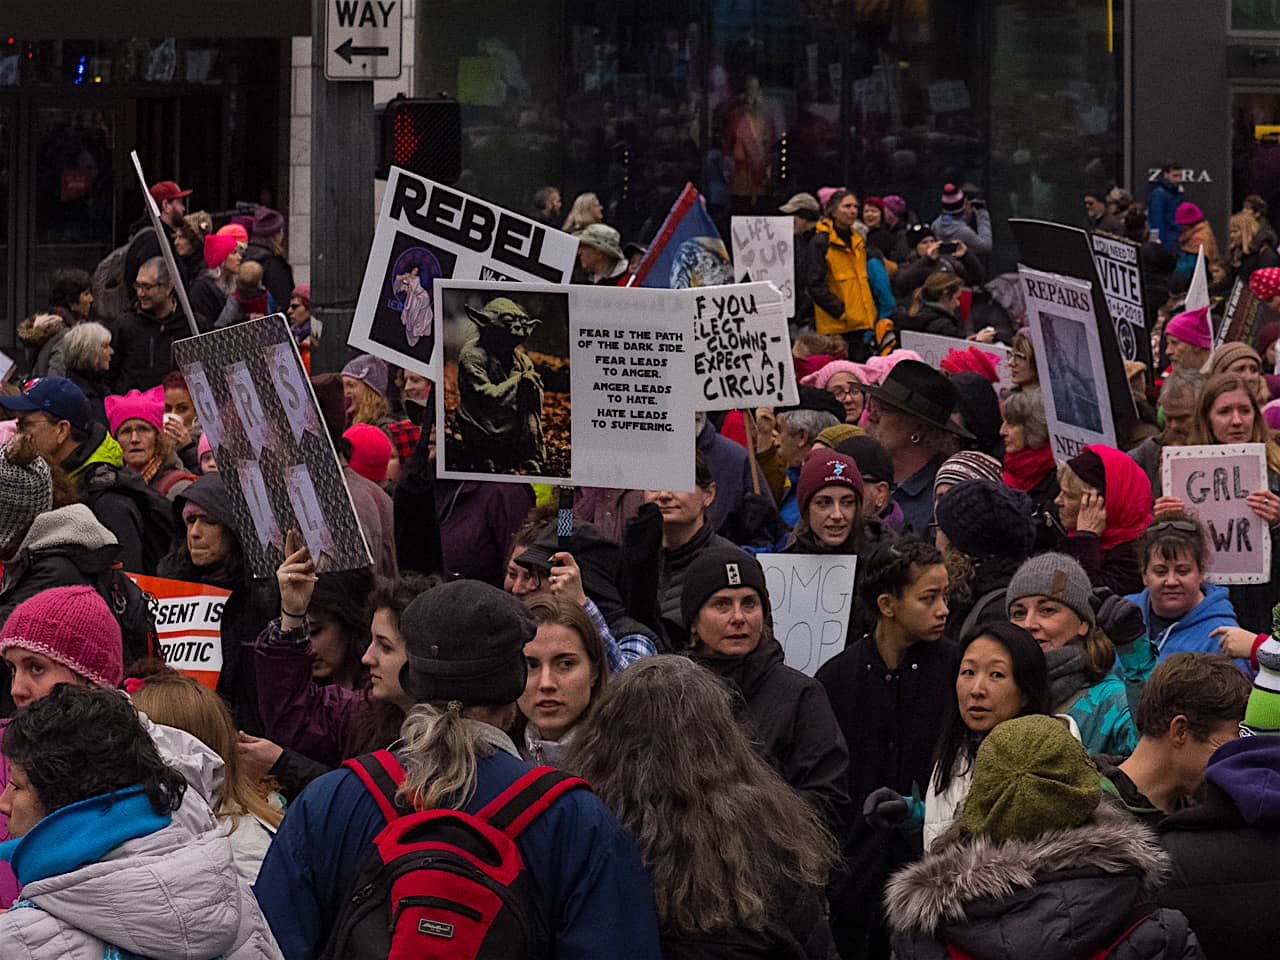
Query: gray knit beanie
{"points": [[26, 491], [1057, 576]]}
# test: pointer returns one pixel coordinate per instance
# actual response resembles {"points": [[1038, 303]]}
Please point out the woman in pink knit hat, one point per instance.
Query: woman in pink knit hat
{"points": [[842, 379], [137, 422]]}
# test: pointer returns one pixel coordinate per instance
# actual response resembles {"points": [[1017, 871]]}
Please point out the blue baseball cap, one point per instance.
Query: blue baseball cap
{"points": [[58, 397]]}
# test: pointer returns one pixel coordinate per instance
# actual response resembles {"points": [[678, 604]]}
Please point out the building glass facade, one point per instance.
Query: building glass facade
{"points": [[753, 100]]}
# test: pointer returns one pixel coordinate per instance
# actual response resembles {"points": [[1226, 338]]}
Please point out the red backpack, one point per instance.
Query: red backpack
{"points": [[443, 883]]}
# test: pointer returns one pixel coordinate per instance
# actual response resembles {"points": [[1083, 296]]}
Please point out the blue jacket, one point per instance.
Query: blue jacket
{"points": [[591, 892], [1102, 714], [881, 292], [1191, 633], [1161, 207], [789, 509], [954, 226]]}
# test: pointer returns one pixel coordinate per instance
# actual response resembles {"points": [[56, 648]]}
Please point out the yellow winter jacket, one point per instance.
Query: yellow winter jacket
{"points": [[845, 282]]}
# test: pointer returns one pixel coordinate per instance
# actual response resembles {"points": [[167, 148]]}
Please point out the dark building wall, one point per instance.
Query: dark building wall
{"points": [[59, 19]]}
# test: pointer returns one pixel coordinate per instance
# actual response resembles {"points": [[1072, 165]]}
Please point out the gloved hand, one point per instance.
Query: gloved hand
{"points": [[1120, 619], [885, 808]]}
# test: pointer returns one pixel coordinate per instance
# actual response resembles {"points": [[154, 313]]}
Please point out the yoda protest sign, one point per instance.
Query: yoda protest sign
{"points": [[763, 249], [253, 397], [1213, 482], [741, 347], [581, 385], [188, 623], [1073, 379], [811, 597], [933, 349], [427, 231]]}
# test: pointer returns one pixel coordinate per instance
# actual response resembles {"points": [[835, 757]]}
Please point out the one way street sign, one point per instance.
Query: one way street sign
{"points": [[362, 39]]}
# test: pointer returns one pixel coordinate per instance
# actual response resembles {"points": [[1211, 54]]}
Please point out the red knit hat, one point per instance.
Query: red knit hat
{"points": [[826, 468], [70, 625], [217, 247], [370, 451]]}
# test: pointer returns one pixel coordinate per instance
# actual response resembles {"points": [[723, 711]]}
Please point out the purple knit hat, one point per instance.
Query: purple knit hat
{"points": [[72, 626]]}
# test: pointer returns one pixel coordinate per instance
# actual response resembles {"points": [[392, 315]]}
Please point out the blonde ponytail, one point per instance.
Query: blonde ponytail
{"points": [[441, 750]]}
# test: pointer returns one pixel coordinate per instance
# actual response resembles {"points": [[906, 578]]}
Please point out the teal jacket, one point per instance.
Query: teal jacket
{"points": [[1102, 713]]}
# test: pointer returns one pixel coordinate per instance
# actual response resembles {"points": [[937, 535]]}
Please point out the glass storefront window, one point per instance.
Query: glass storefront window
{"points": [[1254, 16]]}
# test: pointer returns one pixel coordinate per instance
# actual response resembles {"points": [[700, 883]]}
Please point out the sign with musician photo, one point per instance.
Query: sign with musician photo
{"points": [[427, 231]]}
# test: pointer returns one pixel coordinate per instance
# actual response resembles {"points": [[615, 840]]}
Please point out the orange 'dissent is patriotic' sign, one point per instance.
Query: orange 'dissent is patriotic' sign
{"points": [[188, 623]]}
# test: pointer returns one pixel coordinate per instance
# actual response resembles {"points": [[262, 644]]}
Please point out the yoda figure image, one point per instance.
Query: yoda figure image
{"points": [[499, 413]]}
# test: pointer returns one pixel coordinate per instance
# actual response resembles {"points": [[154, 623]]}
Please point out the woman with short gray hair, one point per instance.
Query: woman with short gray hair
{"points": [[1028, 459], [86, 353]]}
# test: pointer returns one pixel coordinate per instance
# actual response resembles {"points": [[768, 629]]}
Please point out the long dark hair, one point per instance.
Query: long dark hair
{"points": [[342, 598], [958, 745], [230, 573]]}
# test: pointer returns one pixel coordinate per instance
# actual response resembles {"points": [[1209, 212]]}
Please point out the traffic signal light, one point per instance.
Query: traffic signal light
{"points": [[422, 135]]}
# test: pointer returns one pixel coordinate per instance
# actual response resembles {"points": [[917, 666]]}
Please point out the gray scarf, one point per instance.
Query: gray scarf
{"points": [[1067, 675]]}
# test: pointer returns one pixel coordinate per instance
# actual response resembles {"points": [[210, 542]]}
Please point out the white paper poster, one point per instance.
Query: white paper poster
{"points": [[811, 596], [1073, 379], [428, 231], [742, 348], [764, 249], [570, 385], [933, 349], [1213, 483]]}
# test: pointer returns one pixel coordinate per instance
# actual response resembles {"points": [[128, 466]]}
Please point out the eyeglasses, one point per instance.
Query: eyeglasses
{"points": [[26, 423], [144, 287], [1182, 526], [1015, 355]]}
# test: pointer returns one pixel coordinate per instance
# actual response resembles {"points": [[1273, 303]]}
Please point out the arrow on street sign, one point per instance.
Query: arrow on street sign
{"points": [[346, 51]]}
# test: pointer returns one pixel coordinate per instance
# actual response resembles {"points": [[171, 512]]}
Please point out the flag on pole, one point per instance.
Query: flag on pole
{"points": [[687, 250], [1198, 292]]}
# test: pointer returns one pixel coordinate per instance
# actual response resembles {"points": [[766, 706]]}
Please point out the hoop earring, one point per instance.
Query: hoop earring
{"points": [[915, 439]]}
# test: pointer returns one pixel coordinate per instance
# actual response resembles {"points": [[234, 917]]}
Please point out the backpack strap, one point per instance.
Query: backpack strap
{"points": [[526, 799], [1102, 954], [381, 775]]}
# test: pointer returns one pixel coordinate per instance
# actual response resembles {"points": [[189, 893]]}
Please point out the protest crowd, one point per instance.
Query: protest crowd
{"points": [[535, 720]]}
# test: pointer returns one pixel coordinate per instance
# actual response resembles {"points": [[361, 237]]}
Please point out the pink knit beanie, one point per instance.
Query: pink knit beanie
{"points": [[73, 626], [147, 407], [820, 377], [370, 451], [1190, 327]]}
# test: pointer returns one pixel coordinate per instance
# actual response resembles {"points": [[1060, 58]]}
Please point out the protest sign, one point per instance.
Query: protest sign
{"points": [[1213, 481], [188, 623], [260, 414], [1063, 250], [428, 231], [166, 251], [1069, 359], [583, 385], [811, 597], [933, 349], [763, 249], [1119, 269], [1243, 317], [741, 347]]}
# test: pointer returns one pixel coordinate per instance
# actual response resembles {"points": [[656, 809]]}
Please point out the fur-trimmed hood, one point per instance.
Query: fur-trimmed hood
{"points": [[970, 889]]}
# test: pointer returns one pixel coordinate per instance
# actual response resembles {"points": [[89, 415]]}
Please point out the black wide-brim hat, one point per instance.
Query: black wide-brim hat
{"points": [[920, 391]]}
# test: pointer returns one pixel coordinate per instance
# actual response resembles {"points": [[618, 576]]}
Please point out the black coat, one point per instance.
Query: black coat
{"points": [[931, 319], [796, 929], [891, 720], [1118, 568], [144, 348], [207, 300], [1224, 871], [790, 721], [96, 386]]}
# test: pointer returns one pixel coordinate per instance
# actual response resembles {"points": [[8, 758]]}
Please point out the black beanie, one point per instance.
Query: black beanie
{"points": [[1087, 465], [986, 519], [719, 568], [464, 641]]}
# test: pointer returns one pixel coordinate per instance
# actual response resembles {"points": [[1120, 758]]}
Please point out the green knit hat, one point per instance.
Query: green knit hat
{"points": [[1262, 715], [1031, 776]]}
